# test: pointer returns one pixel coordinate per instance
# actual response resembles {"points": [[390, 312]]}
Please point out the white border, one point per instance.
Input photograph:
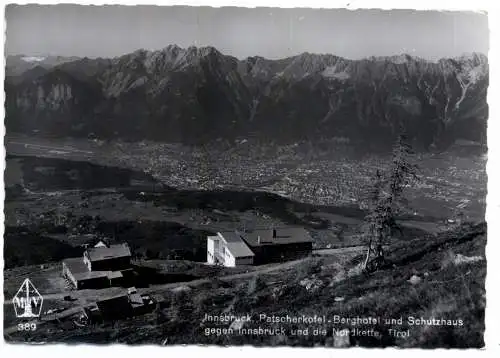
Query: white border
{"points": [[492, 334]]}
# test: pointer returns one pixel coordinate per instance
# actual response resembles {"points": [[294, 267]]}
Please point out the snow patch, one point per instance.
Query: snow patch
{"points": [[476, 74], [32, 59], [181, 289], [399, 60], [311, 284], [331, 72], [415, 280], [461, 259], [59, 152]]}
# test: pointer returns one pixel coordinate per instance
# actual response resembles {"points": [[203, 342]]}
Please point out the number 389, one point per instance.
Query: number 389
{"points": [[28, 326]]}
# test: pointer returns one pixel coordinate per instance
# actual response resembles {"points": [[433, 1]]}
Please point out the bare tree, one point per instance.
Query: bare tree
{"points": [[373, 219], [385, 198]]}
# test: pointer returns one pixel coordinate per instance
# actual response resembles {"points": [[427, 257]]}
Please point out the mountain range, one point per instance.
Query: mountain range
{"points": [[198, 94]]}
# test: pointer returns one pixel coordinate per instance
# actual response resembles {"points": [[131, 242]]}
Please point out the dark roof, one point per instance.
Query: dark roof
{"points": [[76, 265], [114, 306], [80, 271], [122, 297], [236, 245], [288, 235], [105, 253], [231, 236], [114, 274]]}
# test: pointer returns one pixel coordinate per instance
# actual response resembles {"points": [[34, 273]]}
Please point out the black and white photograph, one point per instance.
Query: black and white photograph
{"points": [[229, 176]]}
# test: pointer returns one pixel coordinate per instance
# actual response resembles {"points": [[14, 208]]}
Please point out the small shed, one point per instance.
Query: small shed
{"points": [[116, 307]]}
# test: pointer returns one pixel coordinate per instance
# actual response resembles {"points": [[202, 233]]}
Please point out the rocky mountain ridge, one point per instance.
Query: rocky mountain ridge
{"points": [[196, 95]]}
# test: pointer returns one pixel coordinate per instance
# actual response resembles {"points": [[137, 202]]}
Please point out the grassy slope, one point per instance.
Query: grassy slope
{"points": [[447, 290], [29, 249]]}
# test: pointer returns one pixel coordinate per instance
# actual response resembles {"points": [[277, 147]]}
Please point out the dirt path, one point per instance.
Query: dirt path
{"points": [[88, 296], [85, 297], [262, 270], [342, 250]]}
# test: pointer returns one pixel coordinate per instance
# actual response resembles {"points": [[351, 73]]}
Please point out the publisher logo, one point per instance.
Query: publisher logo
{"points": [[27, 301]]}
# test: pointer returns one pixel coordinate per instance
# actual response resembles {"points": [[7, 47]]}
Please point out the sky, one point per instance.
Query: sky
{"points": [[108, 31]]}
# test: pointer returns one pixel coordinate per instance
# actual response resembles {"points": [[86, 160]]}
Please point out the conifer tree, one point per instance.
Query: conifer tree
{"points": [[385, 197]]}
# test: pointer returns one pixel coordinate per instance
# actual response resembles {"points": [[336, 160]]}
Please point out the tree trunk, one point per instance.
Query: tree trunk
{"points": [[368, 253], [380, 251]]}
